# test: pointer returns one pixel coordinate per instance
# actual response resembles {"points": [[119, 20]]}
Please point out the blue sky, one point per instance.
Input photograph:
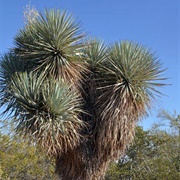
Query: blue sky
{"points": [[153, 23]]}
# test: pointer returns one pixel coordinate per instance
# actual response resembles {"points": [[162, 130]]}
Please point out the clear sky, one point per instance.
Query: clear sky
{"points": [[153, 23]]}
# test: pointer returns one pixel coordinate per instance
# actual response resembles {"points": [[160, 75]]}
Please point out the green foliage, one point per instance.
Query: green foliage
{"points": [[95, 52], [136, 73], [1, 172], [45, 109], [170, 120], [50, 43], [153, 155], [20, 160]]}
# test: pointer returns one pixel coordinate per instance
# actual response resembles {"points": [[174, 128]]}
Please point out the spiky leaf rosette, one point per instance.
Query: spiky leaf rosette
{"points": [[9, 65], [51, 42], [46, 110], [132, 75], [95, 54]]}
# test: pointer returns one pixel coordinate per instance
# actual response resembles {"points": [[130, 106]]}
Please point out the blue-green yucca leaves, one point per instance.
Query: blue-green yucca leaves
{"points": [[95, 53], [132, 75], [47, 110], [137, 74], [52, 42], [9, 65]]}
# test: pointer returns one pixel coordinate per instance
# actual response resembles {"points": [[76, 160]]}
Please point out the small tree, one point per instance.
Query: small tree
{"points": [[170, 120], [78, 99]]}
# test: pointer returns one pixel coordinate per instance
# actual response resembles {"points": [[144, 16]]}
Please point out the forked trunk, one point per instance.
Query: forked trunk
{"points": [[105, 138], [91, 158], [71, 168]]}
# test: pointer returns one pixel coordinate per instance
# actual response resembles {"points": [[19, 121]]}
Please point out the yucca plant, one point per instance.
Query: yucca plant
{"points": [[51, 43], [46, 110], [79, 100], [132, 73]]}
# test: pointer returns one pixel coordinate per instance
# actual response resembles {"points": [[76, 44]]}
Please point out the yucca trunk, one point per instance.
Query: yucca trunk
{"points": [[90, 160], [104, 139], [69, 167], [75, 166]]}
